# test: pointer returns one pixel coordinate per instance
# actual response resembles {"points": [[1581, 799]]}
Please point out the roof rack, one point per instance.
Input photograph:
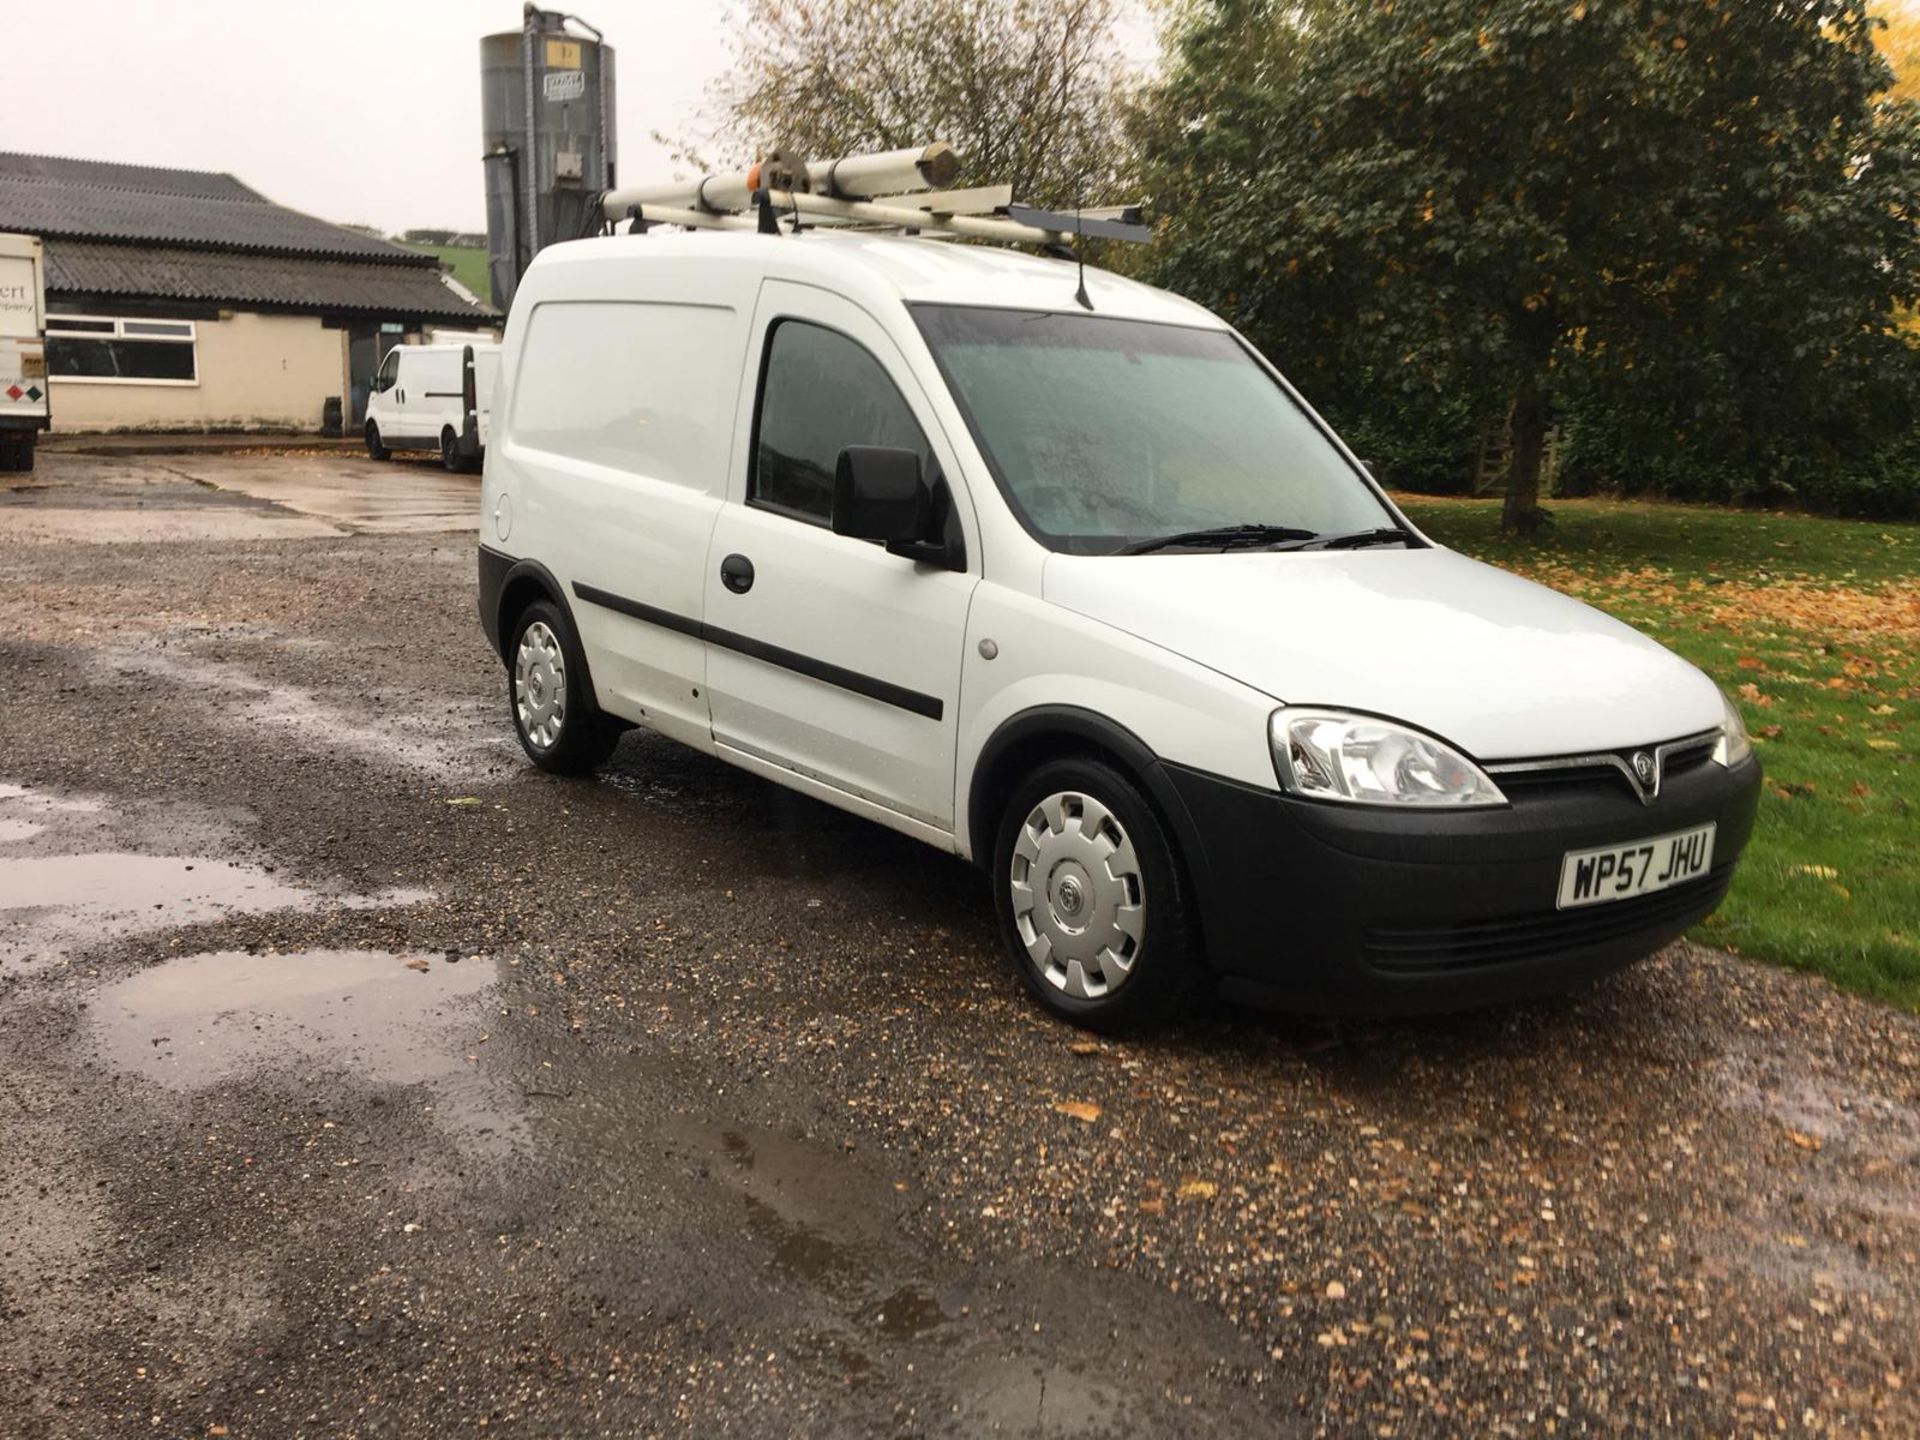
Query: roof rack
{"points": [[901, 190]]}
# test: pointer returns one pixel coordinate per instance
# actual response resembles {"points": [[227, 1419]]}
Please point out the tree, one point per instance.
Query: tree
{"points": [[1027, 91], [1899, 45], [1707, 201]]}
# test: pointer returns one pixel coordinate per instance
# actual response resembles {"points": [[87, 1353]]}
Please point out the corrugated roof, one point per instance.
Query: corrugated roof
{"points": [[81, 267], [99, 200], [207, 184]]}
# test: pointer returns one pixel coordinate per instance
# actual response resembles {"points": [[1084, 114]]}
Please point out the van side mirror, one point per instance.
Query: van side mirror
{"points": [[879, 494]]}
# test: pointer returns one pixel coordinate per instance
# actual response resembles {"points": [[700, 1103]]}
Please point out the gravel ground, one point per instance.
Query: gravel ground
{"points": [[358, 1080]]}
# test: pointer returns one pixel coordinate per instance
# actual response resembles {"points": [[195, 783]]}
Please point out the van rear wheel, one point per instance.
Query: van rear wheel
{"points": [[559, 726], [1092, 903], [376, 449], [450, 457]]}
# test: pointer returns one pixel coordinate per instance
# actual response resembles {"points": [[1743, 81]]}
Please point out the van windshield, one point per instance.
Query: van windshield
{"points": [[1107, 433]]}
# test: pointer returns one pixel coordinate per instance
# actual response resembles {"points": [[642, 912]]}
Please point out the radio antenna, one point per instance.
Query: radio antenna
{"points": [[1080, 242]]}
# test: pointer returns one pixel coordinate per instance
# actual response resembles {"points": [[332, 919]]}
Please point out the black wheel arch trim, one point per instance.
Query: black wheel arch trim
{"points": [[1137, 758], [499, 573]]}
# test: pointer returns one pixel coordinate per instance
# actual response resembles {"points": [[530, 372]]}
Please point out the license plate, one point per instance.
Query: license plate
{"points": [[1620, 872]]}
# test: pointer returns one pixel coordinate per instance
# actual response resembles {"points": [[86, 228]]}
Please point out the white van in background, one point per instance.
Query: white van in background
{"points": [[23, 356], [424, 399]]}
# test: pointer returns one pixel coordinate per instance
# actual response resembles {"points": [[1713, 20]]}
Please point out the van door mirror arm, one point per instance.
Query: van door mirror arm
{"points": [[929, 552], [942, 543]]}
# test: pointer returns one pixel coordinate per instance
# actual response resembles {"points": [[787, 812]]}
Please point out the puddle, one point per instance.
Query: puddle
{"points": [[101, 887], [54, 905], [201, 1020], [810, 1199], [198, 1020], [1024, 1398], [911, 1310], [827, 1224]]}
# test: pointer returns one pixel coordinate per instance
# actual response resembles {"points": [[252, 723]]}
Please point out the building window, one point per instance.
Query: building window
{"points": [[143, 352]]}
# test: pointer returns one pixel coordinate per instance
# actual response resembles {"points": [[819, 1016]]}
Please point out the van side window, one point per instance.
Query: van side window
{"points": [[819, 393], [389, 368]]}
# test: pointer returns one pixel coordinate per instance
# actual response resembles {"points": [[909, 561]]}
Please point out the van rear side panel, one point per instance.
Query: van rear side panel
{"points": [[611, 458]]}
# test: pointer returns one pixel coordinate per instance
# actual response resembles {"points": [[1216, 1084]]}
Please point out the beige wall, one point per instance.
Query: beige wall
{"points": [[256, 371]]}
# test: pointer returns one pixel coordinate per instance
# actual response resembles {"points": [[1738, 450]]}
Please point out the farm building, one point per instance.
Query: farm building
{"points": [[184, 300]]}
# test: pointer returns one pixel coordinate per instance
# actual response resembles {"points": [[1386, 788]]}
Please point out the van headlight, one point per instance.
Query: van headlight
{"points": [[1327, 755], [1734, 745]]}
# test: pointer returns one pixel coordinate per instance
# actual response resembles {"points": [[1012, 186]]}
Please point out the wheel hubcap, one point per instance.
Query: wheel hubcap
{"points": [[540, 685], [1079, 904]]}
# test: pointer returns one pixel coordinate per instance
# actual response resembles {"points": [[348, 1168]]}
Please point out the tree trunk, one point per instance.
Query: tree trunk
{"points": [[1528, 435]]}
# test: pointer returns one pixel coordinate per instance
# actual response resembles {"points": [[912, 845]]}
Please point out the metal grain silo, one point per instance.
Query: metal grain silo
{"points": [[546, 106]]}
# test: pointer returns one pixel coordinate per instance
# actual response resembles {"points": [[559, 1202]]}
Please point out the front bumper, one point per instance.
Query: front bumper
{"points": [[1340, 909]]}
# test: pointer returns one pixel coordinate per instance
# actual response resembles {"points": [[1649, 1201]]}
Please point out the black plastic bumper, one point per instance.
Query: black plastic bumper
{"points": [[1342, 910]]}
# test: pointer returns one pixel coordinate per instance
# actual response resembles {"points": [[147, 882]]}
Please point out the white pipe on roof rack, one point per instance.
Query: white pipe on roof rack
{"points": [[976, 226], [888, 172], [692, 219]]}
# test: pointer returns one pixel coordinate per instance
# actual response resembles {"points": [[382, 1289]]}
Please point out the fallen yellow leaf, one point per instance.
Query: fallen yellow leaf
{"points": [[1804, 1140], [1078, 1109], [1192, 1189]]}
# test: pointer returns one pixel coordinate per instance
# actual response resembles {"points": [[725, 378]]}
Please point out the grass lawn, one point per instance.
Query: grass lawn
{"points": [[1814, 626], [468, 263]]}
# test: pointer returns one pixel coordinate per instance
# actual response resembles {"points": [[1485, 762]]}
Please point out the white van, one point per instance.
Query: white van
{"points": [[23, 351], [1093, 599], [422, 399]]}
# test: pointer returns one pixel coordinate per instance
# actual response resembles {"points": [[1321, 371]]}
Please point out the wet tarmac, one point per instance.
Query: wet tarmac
{"points": [[358, 1080]]}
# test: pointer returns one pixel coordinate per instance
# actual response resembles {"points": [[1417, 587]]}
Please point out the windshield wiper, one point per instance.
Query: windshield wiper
{"points": [[1354, 540], [1223, 537]]}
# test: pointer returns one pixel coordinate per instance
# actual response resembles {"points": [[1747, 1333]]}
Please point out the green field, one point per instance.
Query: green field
{"points": [[468, 263], [1814, 626]]}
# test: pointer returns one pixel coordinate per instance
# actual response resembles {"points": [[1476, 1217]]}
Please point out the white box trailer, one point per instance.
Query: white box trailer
{"points": [[23, 353]]}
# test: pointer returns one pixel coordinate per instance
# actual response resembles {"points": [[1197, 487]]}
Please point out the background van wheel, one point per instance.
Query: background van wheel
{"points": [[376, 450], [451, 460], [559, 726], [1091, 899]]}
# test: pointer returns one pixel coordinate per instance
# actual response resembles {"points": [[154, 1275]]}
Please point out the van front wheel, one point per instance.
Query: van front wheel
{"points": [[376, 448], [559, 726], [1091, 901]]}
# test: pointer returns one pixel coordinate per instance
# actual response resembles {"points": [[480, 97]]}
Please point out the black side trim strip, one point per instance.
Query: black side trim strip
{"points": [[653, 615], [885, 691]]}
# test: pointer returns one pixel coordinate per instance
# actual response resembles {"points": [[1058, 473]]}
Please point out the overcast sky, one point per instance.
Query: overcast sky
{"points": [[372, 116]]}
